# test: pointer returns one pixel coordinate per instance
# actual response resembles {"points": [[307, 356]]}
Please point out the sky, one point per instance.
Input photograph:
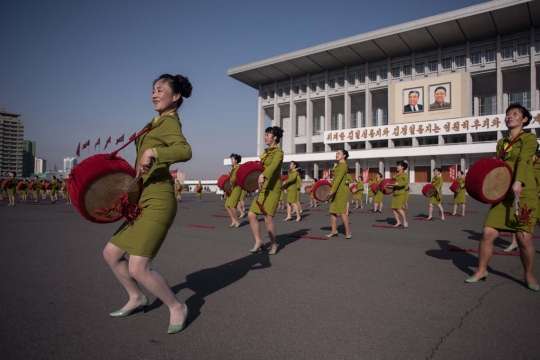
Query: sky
{"points": [[79, 70]]}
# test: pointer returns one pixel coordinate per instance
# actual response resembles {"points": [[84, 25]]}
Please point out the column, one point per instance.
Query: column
{"points": [[309, 119], [381, 166], [389, 76], [476, 106], [533, 71], [327, 108], [292, 115], [463, 162], [277, 110], [433, 164], [347, 106], [411, 170], [368, 99], [315, 171], [439, 61], [358, 168], [469, 79], [499, 78], [413, 65], [386, 172], [260, 124]]}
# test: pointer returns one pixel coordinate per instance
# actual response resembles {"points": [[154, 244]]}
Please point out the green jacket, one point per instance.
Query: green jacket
{"points": [[272, 159], [169, 145], [291, 184], [520, 158], [403, 183], [339, 178]]}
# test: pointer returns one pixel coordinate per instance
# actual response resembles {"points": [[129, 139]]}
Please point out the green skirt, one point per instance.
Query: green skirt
{"points": [[11, 191], [378, 197], [435, 199], [268, 199], [234, 196], [146, 235], [338, 204], [502, 216], [242, 195], [292, 196], [398, 201], [459, 198]]}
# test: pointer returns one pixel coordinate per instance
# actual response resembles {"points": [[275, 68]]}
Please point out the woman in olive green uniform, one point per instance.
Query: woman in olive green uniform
{"points": [[163, 145], [312, 200], [359, 192], [370, 192], [299, 188], [25, 190], [53, 189], [178, 190], [400, 192], [281, 203], [11, 188], [198, 191], [436, 199], [35, 190], [378, 196], [291, 184], [516, 150], [339, 195], [459, 198], [234, 192], [270, 188]]}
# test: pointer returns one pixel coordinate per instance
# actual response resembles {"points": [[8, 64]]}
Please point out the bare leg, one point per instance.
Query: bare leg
{"points": [[254, 224], [403, 216], [271, 229], [345, 219], [455, 209], [396, 216], [527, 256], [297, 209], [430, 211], [485, 249], [463, 209], [348, 206], [139, 268], [441, 210], [289, 211]]}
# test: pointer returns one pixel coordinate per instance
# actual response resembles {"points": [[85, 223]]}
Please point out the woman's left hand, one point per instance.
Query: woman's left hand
{"points": [[146, 161], [261, 181], [516, 188]]}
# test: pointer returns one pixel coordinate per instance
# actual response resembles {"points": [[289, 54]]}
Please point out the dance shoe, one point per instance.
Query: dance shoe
{"points": [[474, 280], [173, 329], [123, 313]]}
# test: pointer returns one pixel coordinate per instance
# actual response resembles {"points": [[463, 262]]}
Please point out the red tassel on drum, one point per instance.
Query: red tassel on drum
{"points": [[128, 209]]}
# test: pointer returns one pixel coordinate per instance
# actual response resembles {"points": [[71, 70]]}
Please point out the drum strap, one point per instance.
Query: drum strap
{"points": [[144, 131], [501, 153]]}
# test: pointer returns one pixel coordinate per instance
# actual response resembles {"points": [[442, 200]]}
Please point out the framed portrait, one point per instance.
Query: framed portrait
{"points": [[413, 100], [440, 97]]}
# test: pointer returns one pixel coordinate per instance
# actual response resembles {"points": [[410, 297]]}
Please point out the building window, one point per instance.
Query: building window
{"points": [[321, 85], [362, 78], [537, 47], [475, 58], [490, 56], [318, 147], [523, 49], [395, 73], [507, 52], [432, 65], [313, 86], [384, 117], [287, 91], [317, 130], [420, 68], [334, 123], [460, 61], [264, 95], [300, 149], [488, 105], [363, 117], [354, 120], [297, 89], [341, 82], [352, 79], [447, 64], [384, 74], [407, 70], [304, 88], [272, 94], [279, 92], [332, 83], [374, 117], [488, 136], [524, 98], [373, 76]]}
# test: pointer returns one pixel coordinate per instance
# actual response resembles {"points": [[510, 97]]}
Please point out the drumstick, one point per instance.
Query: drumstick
{"points": [[517, 206], [136, 179]]}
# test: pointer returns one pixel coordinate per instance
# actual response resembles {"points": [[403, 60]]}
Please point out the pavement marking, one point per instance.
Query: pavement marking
{"points": [[387, 226], [508, 235], [424, 219], [201, 226], [223, 216], [308, 237]]}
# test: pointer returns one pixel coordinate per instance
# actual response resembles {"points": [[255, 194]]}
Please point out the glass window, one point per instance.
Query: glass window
{"points": [[537, 47], [332, 83], [363, 117], [475, 58], [490, 56], [432, 65], [317, 125], [341, 82], [460, 61], [313, 86], [300, 148], [524, 98], [447, 63], [279, 92], [507, 52], [287, 91], [362, 78], [488, 105], [374, 120], [304, 88], [523, 49], [352, 79], [334, 123], [318, 147], [384, 74], [420, 68], [373, 76], [321, 85], [396, 73], [384, 117], [264, 95], [297, 89], [407, 70], [354, 120]]}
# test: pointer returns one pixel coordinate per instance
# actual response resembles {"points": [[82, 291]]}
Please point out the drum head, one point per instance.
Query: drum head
{"points": [[105, 191], [251, 182], [496, 183], [227, 185], [431, 192]]}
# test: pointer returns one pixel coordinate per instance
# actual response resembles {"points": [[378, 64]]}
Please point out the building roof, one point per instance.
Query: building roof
{"points": [[473, 23]]}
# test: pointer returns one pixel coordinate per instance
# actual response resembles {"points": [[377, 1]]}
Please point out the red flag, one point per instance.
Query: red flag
{"points": [[86, 144], [120, 139], [98, 142], [365, 175], [132, 136], [452, 172], [107, 142], [78, 150]]}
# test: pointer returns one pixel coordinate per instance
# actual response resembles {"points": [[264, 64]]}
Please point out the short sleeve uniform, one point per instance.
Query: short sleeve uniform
{"points": [[268, 197]]}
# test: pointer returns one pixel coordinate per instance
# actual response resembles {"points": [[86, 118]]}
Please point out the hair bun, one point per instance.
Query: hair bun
{"points": [[185, 86]]}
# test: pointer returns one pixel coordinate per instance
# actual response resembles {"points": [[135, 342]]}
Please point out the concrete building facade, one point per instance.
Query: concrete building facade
{"points": [[69, 164], [40, 165], [11, 142], [29, 157]]}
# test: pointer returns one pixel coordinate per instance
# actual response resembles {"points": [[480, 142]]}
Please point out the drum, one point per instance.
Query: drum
{"points": [[42, 187], [284, 177], [374, 187], [32, 185], [20, 186], [307, 189], [387, 186], [489, 180], [98, 183], [429, 190], [247, 176], [455, 187], [6, 184], [224, 182], [48, 186], [321, 190], [354, 189]]}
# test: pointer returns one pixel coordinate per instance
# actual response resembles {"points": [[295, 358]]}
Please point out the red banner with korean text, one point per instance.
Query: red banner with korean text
{"points": [[326, 174], [365, 175], [452, 172]]}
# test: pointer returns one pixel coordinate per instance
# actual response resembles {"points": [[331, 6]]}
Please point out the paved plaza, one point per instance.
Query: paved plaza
{"points": [[385, 294]]}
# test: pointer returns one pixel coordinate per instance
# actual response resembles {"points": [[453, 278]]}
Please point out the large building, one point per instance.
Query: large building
{"points": [[40, 165], [69, 164], [432, 92], [11, 142], [29, 157]]}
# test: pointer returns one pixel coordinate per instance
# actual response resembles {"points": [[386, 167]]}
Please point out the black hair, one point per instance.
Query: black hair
{"points": [[179, 85], [14, 173], [379, 174], [360, 177], [275, 131], [524, 112], [439, 88], [438, 169], [345, 152], [315, 180], [54, 177], [414, 91], [296, 166], [460, 171], [236, 157], [403, 163]]}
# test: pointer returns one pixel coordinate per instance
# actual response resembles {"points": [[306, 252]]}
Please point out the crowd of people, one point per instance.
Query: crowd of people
{"points": [[21, 190]]}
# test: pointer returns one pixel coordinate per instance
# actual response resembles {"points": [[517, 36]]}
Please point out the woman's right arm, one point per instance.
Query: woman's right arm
{"points": [[339, 174], [177, 148]]}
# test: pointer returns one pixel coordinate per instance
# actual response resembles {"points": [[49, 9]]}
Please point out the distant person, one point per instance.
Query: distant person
{"points": [[291, 184], [234, 192], [339, 195], [11, 187], [401, 178], [459, 198], [178, 190], [357, 196], [198, 191], [378, 195], [413, 104], [436, 198], [312, 200], [440, 95]]}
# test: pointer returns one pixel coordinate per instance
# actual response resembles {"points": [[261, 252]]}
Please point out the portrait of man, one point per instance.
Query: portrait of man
{"points": [[439, 97], [414, 100]]}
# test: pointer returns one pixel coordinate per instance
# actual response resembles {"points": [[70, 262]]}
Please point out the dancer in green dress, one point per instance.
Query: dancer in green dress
{"points": [[163, 145], [378, 196], [35, 190], [234, 192], [291, 184], [241, 207], [400, 193], [517, 212], [312, 200], [198, 191], [270, 188], [436, 199], [359, 192], [339, 194], [11, 188], [299, 188], [178, 190], [370, 192], [459, 198], [54, 189]]}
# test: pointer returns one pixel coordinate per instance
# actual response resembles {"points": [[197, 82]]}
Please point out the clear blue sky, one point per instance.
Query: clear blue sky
{"points": [[79, 70]]}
